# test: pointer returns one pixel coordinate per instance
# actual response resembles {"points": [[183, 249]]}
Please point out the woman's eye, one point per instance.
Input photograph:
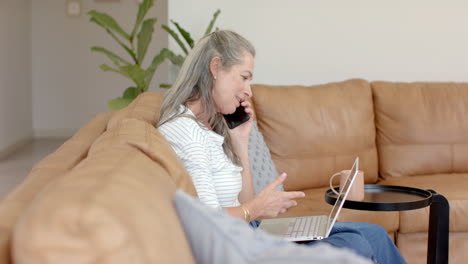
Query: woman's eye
{"points": [[245, 78]]}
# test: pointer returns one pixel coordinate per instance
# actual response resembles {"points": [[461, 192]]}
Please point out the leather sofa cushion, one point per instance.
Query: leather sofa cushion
{"points": [[146, 138], [452, 186], [145, 107], [114, 207], [315, 131], [421, 128], [314, 204], [413, 247], [53, 166]]}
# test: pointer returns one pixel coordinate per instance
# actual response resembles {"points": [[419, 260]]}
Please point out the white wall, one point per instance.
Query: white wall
{"points": [[298, 42], [68, 86], [316, 41], [15, 72]]}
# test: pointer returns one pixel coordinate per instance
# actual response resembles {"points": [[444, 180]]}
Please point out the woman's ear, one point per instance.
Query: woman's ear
{"points": [[215, 66]]}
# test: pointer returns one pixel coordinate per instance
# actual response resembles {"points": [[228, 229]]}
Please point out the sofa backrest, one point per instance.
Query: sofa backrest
{"points": [[422, 127], [315, 131]]}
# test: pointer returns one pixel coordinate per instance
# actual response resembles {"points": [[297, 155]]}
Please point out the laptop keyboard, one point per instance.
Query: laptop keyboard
{"points": [[303, 226]]}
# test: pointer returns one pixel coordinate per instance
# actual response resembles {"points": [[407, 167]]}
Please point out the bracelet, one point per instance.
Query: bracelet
{"points": [[246, 213]]}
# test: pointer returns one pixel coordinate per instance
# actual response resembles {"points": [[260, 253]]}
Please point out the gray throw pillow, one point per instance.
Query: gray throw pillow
{"points": [[216, 237], [263, 169]]}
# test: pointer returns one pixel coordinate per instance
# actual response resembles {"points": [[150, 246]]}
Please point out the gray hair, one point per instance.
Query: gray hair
{"points": [[195, 81]]}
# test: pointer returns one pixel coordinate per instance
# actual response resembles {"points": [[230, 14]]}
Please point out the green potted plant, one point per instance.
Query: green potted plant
{"points": [[135, 44]]}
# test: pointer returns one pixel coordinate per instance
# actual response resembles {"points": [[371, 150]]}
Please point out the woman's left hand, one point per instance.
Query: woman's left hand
{"points": [[240, 134]]}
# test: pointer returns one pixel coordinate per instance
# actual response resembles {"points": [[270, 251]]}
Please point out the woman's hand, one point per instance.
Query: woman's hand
{"points": [[271, 202], [240, 134]]}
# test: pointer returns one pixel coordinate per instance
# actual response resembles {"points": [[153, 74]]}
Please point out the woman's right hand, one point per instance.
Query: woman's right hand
{"points": [[271, 202]]}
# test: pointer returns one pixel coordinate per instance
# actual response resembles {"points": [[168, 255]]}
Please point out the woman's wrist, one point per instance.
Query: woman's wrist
{"points": [[246, 213], [243, 154], [251, 208]]}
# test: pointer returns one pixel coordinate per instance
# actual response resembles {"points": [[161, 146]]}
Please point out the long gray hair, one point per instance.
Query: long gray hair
{"points": [[195, 81]]}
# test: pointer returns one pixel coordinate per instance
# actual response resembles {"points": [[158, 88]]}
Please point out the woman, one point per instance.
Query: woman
{"points": [[213, 81]]}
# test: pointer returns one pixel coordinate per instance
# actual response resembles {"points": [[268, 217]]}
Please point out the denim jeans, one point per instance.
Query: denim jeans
{"points": [[365, 239]]}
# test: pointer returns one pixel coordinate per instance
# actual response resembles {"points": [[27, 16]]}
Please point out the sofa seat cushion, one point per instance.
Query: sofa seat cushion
{"points": [[115, 207], [314, 204], [451, 186], [315, 131]]}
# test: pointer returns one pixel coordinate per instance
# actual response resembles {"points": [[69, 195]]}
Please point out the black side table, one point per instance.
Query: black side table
{"points": [[399, 198]]}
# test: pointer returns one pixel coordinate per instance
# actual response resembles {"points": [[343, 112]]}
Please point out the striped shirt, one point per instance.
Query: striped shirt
{"points": [[217, 180]]}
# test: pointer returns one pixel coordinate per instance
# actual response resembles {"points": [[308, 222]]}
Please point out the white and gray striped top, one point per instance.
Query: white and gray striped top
{"points": [[217, 180]]}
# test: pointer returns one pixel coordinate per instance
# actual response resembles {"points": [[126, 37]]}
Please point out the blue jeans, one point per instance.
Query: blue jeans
{"points": [[365, 239]]}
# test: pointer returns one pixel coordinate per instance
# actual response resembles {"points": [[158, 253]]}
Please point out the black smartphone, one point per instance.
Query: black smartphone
{"points": [[237, 118]]}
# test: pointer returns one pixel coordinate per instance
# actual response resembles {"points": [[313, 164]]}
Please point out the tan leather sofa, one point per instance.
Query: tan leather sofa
{"points": [[104, 195]]}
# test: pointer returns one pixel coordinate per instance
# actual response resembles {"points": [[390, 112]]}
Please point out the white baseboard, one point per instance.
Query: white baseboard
{"points": [[15, 146], [55, 133]]}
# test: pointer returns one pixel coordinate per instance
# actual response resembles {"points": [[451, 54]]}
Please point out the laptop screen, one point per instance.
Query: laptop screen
{"points": [[343, 194]]}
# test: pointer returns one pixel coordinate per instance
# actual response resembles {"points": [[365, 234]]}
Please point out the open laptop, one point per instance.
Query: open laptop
{"points": [[307, 228]]}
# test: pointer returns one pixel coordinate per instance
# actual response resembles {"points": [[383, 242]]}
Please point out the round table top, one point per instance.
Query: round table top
{"points": [[386, 198]]}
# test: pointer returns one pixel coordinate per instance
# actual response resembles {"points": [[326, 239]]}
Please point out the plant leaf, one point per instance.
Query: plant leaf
{"points": [[132, 54], [92, 19], [212, 22], [144, 38], [142, 10], [125, 47], [107, 68], [108, 22], [137, 75], [175, 37], [113, 57], [157, 60], [118, 103], [177, 59], [165, 85], [184, 34], [131, 93]]}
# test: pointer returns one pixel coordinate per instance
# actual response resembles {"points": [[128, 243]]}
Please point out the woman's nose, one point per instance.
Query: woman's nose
{"points": [[248, 91]]}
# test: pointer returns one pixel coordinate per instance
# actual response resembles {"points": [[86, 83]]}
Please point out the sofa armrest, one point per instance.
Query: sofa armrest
{"points": [[115, 207]]}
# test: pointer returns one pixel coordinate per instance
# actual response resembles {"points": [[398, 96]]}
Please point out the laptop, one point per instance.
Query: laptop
{"points": [[308, 228]]}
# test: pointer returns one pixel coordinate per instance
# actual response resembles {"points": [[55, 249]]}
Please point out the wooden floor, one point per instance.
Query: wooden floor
{"points": [[15, 167]]}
